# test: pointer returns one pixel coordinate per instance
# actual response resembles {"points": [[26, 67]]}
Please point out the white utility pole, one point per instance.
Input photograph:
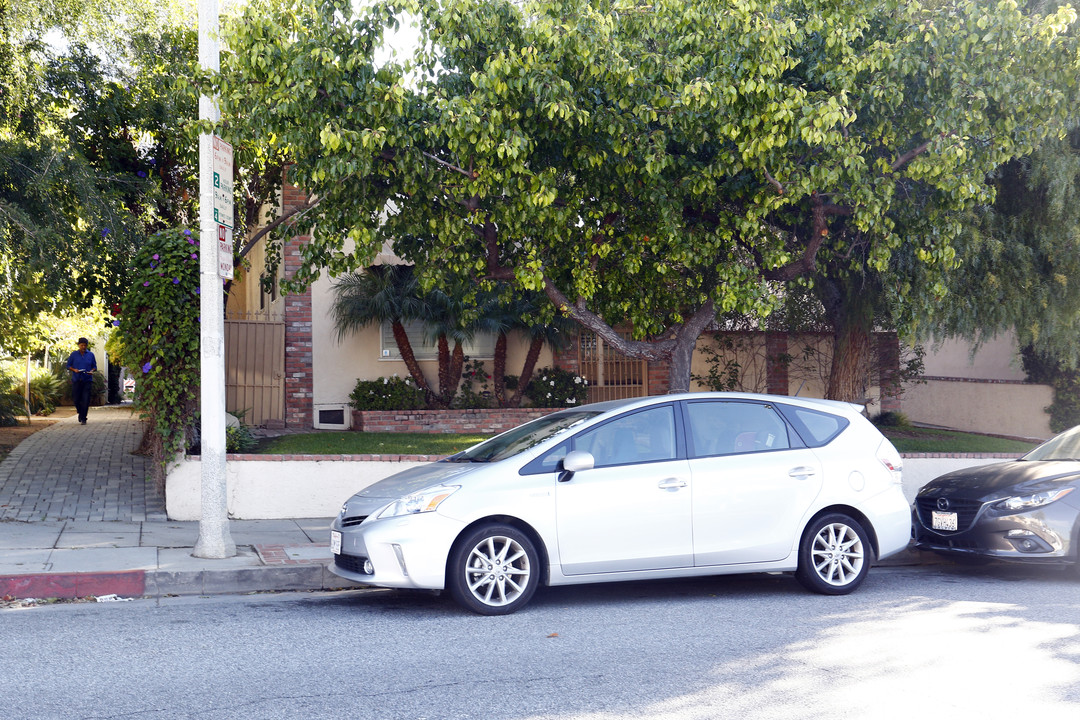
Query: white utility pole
{"points": [[215, 539]]}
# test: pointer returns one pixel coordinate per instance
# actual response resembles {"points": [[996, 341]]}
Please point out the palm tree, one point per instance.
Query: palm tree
{"points": [[501, 316], [378, 294]]}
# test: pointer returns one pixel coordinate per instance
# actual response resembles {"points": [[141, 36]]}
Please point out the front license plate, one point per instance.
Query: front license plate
{"points": [[944, 521], [335, 542]]}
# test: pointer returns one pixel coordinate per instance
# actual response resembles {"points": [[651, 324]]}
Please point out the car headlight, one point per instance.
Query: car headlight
{"points": [[424, 501], [1026, 502]]}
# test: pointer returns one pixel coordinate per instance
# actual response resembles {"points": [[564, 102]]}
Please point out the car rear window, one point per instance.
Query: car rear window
{"points": [[815, 427]]}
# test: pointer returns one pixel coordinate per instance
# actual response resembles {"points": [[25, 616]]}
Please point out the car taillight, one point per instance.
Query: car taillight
{"points": [[890, 458]]}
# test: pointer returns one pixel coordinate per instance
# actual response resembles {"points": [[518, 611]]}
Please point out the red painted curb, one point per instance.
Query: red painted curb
{"points": [[73, 585]]}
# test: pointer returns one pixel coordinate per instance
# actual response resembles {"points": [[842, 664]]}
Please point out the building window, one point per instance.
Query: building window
{"points": [[425, 347]]}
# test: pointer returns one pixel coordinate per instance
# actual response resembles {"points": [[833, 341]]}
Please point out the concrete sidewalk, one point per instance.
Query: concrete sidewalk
{"points": [[79, 516], [77, 558]]}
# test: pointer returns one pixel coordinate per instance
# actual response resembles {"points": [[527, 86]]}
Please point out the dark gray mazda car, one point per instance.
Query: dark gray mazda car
{"points": [[1025, 510]]}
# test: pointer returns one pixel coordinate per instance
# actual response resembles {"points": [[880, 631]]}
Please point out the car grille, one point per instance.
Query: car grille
{"points": [[353, 521], [351, 563], [965, 510]]}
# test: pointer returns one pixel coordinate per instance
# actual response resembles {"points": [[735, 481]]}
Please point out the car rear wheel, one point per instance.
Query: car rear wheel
{"points": [[494, 570], [834, 555]]}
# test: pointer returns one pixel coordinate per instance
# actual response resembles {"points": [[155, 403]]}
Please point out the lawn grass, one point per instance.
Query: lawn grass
{"points": [[929, 440], [906, 440], [366, 443]]}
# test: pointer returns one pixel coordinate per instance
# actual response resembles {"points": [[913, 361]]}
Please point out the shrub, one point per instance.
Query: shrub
{"points": [[239, 439], [11, 399], [46, 391], [159, 340], [552, 388], [891, 419], [474, 391], [391, 393]]}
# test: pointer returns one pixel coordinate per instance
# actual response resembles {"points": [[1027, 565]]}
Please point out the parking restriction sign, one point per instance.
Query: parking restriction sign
{"points": [[223, 179], [225, 252]]}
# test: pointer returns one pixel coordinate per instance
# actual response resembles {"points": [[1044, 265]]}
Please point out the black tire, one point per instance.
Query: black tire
{"points": [[494, 570], [834, 556]]}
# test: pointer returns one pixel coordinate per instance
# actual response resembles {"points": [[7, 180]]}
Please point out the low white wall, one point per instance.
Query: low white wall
{"points": [[282, 489], [920, 470], [276, 489]]}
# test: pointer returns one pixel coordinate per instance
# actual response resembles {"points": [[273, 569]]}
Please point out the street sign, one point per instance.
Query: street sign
{"points": [[225, 252], [223, 177]]}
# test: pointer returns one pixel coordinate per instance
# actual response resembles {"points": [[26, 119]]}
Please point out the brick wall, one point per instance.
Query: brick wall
{"points": [[445, 421], [299, 381], [776, 369]]}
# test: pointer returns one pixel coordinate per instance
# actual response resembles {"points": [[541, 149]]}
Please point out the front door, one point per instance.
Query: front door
{"points": [[632, 511]]}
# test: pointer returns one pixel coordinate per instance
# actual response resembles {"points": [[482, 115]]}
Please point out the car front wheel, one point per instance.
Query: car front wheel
{"points": [[834, 555], [494, 570]]}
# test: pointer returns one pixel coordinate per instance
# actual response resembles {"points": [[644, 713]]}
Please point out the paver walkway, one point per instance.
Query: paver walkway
{"points": [[70, 471]]}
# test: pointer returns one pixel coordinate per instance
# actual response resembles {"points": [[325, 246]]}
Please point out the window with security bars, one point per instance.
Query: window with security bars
{"points": [[425, 347], [611, 375]]}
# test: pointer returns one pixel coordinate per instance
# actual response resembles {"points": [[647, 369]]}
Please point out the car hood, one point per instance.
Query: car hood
{"points": [[406, 482], [998, 477]]}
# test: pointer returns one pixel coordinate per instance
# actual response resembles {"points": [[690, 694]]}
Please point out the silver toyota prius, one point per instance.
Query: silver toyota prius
{"points": [[660, 487]]}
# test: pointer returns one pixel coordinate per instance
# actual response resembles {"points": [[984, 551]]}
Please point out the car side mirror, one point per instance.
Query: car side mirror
{"points": [[574, 462]]}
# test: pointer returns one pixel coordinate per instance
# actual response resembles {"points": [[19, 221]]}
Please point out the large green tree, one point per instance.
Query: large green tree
{"points": [[653, 164]]}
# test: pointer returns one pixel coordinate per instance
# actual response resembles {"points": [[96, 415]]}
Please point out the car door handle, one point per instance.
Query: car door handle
{"points": [[802, 472], [671, 484]]}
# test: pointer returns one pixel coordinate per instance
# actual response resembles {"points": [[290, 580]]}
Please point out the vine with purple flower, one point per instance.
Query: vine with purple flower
{"points": [[159, 339]]}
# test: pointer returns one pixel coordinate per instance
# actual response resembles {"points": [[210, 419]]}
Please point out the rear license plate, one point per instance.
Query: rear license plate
{"points": [[335, 542], [944, 521]]}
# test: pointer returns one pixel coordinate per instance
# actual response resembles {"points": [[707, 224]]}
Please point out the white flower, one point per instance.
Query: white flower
{"points": [[571, 401], [552, 383], [549, 394], [577, 381], [385, 380]]}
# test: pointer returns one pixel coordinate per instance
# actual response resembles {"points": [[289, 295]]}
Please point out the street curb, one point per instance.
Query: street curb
{"points": [[164, 583]]}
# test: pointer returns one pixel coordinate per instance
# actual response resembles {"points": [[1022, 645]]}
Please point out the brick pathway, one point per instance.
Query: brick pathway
{"points": [[70, 471]]}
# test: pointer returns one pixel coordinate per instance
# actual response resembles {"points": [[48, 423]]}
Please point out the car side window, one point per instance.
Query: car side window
{"points": [[816, 428], [731, 428], [646, 436]]}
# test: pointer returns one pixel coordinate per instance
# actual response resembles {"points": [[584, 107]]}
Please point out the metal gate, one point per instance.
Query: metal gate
{"points": [[255, 370], [611, 375]]}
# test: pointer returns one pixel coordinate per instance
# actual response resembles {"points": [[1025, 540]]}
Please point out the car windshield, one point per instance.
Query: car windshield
{"points": [[522, 438], [1065, 446]]}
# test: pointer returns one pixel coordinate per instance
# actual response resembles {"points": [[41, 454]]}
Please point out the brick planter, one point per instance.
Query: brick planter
{"points": [[444, 421]]}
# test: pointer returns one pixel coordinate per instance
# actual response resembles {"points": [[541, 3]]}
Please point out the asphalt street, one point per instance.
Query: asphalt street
{"points": [[933, 641]]}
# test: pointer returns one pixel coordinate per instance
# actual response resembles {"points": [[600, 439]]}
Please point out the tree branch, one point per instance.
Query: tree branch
{"points": [[290, 213], [910, 155]]}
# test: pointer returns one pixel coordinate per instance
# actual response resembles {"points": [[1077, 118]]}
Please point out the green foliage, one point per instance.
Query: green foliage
{"points": [[641, 172], [12, 402], [475, 392], [46, 391], [1042, 368], [239, 439], [391, 393], [555, 387], [891, 419], [159, 335]]}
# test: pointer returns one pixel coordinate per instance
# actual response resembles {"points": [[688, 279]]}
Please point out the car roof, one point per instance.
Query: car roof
{"points": [[629, 403]]}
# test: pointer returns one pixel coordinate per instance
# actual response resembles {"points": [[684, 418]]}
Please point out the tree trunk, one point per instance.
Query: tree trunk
{"points": [[443, 398], [531, 357], [682, 354], [851, 353], [498, 370], [405, 347], [849, 303], [457, 365]]}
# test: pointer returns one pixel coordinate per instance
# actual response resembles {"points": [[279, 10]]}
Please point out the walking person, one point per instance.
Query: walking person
{"points": [[82, 365]]}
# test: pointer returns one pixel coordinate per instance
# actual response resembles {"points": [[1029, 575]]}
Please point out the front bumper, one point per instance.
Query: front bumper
{"points": [[1042, 535], [409, 551]]}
